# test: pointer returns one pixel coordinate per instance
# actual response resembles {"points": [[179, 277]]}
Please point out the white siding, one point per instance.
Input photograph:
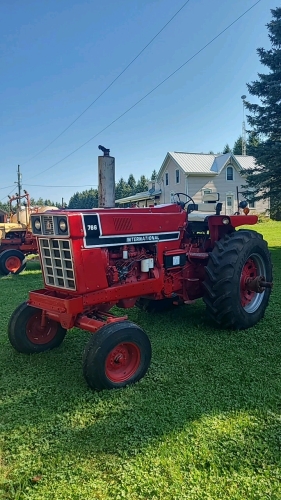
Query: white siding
{"points": [[194, 185], [173, 187]]}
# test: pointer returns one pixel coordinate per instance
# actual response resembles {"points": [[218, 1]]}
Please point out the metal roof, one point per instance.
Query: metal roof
{"points": [[206, 164], [194, 162], [246, 161], [145, 195]]}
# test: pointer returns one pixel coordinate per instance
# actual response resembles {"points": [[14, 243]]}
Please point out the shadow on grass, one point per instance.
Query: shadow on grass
{"points": [[196, 371]]}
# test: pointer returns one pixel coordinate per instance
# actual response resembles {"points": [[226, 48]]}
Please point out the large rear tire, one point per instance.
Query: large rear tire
{"points": [[28, 336], [117, 355], [12, 262], [235, 258]]}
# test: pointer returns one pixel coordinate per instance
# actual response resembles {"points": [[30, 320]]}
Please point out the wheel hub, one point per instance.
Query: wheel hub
{"points": [[13, 264], [252, 283], [122, 362], [39, 332]]}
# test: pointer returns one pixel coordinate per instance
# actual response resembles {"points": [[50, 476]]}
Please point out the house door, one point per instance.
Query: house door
{"points": [[229, 202]]}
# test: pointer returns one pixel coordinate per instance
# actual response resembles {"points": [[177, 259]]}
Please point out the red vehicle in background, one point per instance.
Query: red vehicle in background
{"points": [[16, 238]]}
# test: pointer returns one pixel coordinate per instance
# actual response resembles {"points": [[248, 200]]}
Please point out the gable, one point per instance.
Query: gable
{"points": [[168, 163]]}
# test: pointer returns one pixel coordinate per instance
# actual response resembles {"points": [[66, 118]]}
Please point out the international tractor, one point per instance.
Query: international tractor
{"points": [[162, 255], [16, 238]]}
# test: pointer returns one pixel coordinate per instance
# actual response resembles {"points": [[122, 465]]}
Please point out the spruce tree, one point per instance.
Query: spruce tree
{"points": [[237, 148], [226, 149], [154, 175], [265, 119]]}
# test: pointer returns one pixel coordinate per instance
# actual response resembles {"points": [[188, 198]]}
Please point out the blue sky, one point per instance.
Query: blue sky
{"points": [[57, 56]]}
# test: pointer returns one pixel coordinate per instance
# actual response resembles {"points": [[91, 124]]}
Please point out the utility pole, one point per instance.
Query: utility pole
{"points": [[243, 97], [19, 181]]}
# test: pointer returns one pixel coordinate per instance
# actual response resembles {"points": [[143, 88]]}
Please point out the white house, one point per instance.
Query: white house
{"points": [[198, 173]]}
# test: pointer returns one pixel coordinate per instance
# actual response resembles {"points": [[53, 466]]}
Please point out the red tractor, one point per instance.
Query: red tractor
{"points": [[150, 257]]}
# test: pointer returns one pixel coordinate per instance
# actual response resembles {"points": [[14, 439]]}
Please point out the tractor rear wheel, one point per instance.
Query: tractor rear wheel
{"points": [[117, 355], [12, 262], [28, 335], [236, 260]]}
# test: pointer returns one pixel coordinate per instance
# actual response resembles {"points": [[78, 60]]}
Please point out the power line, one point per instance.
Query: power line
{"points": [[151, 91], [6, 187], [8, 194], [43, 185], [110, 85]]}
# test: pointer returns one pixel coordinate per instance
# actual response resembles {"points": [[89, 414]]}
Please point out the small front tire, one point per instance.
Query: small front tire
{"points": [[28, 336], [12, 262], [117, 355]]}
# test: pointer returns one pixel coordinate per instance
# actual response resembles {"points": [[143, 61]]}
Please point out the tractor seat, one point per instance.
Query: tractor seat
{"points": [[199, 216], [199, 212]]}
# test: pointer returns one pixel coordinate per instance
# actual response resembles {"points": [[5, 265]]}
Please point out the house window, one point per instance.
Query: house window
{"points": [[229, 174], [167, 179], [177, 176], [251, 202], [229, 201]]}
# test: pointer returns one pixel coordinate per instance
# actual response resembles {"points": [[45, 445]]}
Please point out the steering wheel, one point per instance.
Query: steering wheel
{"points": [[187, 196]]}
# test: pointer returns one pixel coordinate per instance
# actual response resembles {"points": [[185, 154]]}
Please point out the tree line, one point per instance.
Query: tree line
{"points": [[34, 203], [123, 188]]}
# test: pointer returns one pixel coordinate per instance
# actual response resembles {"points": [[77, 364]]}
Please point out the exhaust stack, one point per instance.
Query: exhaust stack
{"points": [[106, 189]]}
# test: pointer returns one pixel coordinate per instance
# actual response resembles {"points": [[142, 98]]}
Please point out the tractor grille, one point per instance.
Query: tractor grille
{"points": [[48, 224], [57, 263]]}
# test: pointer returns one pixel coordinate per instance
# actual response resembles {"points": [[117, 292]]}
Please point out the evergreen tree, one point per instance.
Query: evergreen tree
{"points": [[85, 199], [5, 207], [252, 143], [154, 175], [237, 148], [121, 189], [265, 119], [226, 149], [142, 184], [132, 185]]}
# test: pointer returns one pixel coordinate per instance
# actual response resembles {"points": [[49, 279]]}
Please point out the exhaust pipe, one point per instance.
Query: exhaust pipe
{"points": [[106, 188]]}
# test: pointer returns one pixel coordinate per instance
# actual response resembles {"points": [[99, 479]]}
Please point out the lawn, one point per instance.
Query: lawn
{"points": [[204, 424]]}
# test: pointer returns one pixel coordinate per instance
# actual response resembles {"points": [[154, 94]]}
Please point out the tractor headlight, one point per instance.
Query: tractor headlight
{"points": [[37, 224], [62, 225], [225, 220]]}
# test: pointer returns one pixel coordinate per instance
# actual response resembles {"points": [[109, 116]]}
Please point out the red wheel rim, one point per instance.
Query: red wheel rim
{"points": [[122, 362], [13, 264], [38, 334], [249, 271]]}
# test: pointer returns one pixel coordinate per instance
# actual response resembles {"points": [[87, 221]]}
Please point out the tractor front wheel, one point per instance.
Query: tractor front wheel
{"points": [[30, 333], [117, 355], [237, 264], [12, 262]]}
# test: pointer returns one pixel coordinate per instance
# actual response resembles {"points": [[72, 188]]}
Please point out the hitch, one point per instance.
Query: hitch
{"points": [[257, 284]]}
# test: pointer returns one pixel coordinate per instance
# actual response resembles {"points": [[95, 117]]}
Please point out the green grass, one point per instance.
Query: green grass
{"points": [[204, 423]]}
